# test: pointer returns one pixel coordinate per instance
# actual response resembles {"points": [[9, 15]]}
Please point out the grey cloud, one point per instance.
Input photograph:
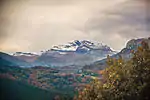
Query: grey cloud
{"points": [[2, 33], [7, 8], [129, 20]]}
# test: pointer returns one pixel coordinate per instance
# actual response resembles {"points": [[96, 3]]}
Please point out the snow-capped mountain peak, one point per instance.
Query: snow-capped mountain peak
{"points": [[76, 44], [77, 52]]}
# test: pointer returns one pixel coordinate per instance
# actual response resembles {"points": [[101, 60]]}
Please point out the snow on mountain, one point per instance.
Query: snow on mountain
{"points": [[25, 54], [81, 45]]}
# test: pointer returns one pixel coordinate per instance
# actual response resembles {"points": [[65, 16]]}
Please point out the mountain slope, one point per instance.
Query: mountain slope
{"points": [[28, 57], [125, 53], [6, 59], [4, 62]]}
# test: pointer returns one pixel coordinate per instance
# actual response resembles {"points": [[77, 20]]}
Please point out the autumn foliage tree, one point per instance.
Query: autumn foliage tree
{"points": [[123, 80]]}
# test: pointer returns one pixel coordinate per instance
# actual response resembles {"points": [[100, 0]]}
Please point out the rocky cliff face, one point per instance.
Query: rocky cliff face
{"points": [[134, 43]]}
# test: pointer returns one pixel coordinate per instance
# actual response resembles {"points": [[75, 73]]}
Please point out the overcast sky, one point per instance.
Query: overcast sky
{"points": [[36, 25]]}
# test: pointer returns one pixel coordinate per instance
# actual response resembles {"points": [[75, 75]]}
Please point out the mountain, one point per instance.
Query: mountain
{"points": [[81, 45], [75, 53], [132, 44], [78, 52], [9, 60], [126, 54], [28, 57]]}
